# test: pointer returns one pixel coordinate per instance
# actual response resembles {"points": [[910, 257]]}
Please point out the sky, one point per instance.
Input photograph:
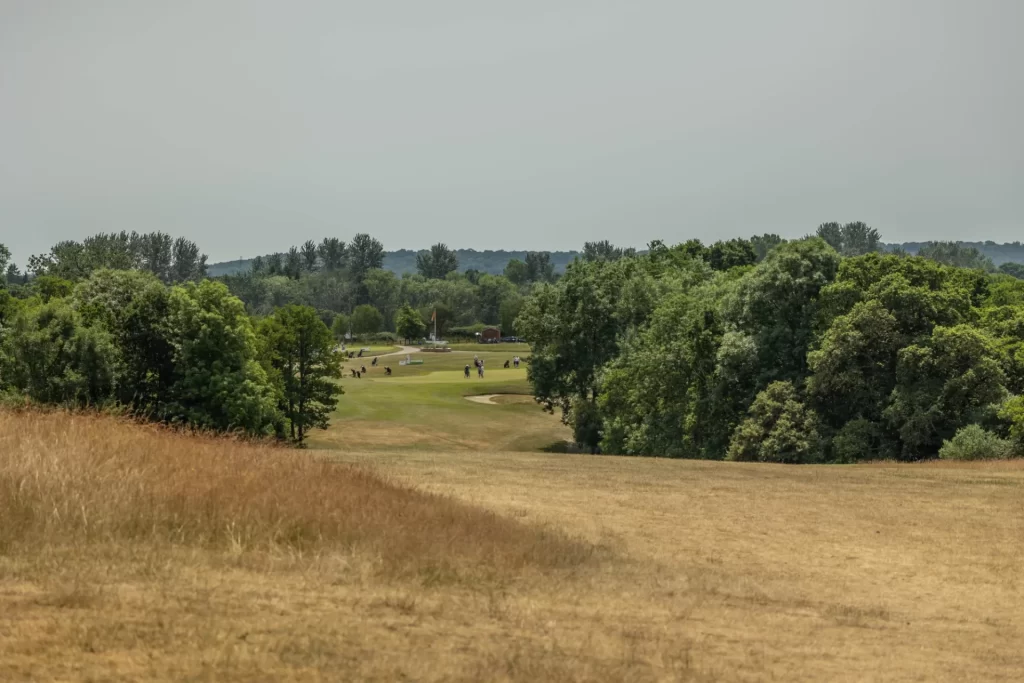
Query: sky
{"points": [[250, 125]]}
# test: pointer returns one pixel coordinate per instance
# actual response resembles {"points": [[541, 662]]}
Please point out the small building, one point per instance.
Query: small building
{"points": [[490, 335]]}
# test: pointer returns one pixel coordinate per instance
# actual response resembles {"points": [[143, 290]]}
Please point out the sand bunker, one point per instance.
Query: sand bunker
{"points": [[500, 399]]}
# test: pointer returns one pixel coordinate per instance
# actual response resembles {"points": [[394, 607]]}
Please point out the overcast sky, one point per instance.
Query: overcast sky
{"points": [[250, 125]]}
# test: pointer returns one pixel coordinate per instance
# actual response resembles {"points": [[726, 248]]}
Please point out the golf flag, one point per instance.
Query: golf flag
{"points": [[433, 316]]}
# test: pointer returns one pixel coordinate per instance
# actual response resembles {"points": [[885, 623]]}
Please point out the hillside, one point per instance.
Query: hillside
{"points": [[404, 261], [1009, 252]]}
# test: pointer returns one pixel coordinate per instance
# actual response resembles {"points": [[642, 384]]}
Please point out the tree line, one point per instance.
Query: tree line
{"points": [[830, 348], [353, 294], [186, 354], [824, 349]]}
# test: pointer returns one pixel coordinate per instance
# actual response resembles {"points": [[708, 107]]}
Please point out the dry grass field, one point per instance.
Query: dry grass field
{"points": [[128, 553]]}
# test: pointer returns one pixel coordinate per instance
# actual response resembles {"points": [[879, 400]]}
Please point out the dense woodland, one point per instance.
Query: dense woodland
{"points": [[827, 350], [832, 348]]}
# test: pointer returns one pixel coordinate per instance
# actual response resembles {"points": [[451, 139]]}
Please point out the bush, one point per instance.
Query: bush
{"points": [[1013, 412], [974, 443], [780, 429], [382, 337]]}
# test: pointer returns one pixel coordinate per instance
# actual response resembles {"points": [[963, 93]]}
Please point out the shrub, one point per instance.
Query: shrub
{"points": [[780, 429], [975, 443], [1013, 412]]}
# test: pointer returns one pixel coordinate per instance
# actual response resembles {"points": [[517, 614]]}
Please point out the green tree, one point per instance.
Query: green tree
{"points": [[52, 287], [409, 324], [332, 253], [491, 292], [953, 379], [364, 254], [1014, 269], [780, 429], [188, 265], [366, 320], [762, 244], [301, 351], [605, 251], [852, 239], [956, 254], [539, 267], [517, 272], [5, 258], [777, 304], [340, 326], [133, 307], [509, 310], [293, 263], [437, 262], [731, 254], [218, 383], [50, 356], [310, 256], [383, 293]]}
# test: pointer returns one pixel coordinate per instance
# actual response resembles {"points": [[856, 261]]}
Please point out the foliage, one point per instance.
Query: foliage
{"points": [[133, 307], [731, 254], [437, 262], [851, 239], [948, 381], [409, 324], [975, 443], [218, 383], [780, 429], [956, 254], [49, 356], [605, 251], [170, 260], [340, 326], [1014, 269], [1012, 412], [298, 347], [366, 319]]}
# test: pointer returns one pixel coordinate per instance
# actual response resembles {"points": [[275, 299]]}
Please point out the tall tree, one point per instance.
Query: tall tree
{"points": [[437, 262], [5, 257], [956, 254], [730, 254], [218, 383], [364, 254], [517, 272], [293, 263], [852, 239], [366, 319], [188, 264], [409, 324], [539, 267], [301, 350], [310, 255], [156, 251], [332, 253], [605, 251]]}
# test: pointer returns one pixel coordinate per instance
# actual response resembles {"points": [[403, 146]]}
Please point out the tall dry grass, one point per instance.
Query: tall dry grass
{"points": [[79, 479]]}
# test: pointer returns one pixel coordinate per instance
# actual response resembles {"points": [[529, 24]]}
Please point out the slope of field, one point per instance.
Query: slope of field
{"points": [[427, 537]]}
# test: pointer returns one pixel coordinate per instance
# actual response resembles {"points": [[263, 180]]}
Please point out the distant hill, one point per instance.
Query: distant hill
{"points": [[489, 261], [1009, 252], [404, 261]]}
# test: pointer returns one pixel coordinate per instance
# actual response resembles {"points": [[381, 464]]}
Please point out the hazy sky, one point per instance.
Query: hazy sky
{"points": [[250, 125]]}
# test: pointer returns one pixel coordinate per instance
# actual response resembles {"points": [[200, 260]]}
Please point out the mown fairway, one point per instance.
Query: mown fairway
{"points": [[130, 554]]}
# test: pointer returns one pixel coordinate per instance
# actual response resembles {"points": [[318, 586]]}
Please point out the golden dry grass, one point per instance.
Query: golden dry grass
{"points": [[593, 568]]}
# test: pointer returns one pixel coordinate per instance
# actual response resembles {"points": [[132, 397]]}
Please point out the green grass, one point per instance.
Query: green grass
{"points": [[375, 350], [425, 405]]}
